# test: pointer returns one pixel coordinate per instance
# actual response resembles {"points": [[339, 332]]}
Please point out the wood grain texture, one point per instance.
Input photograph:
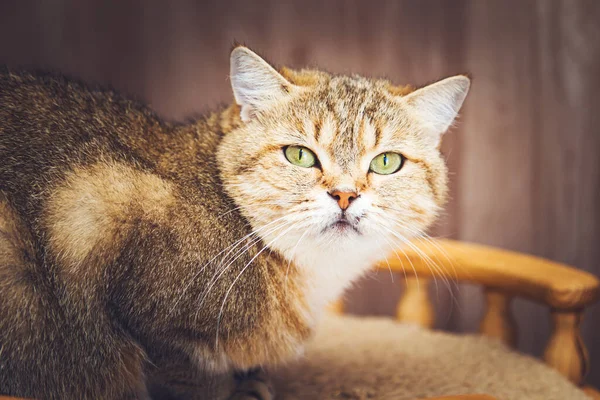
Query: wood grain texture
{"points": [[553, 284], [524, 161], [565, 351], [502, 273], [415, 305], [498, 321], [592, 393]]}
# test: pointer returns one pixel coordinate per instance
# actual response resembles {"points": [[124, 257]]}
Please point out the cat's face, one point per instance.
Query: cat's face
{"points": [[342, 167]]}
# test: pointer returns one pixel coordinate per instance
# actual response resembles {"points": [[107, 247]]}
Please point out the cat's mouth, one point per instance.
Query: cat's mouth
{"points": [[343, 225]]}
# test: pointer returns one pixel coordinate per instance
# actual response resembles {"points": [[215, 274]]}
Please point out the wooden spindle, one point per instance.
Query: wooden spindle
{"points": [[415, 305], [336, 307], [498, 321], [566, 351]]}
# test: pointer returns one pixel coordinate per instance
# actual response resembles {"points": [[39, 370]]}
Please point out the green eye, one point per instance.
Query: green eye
{"points": [[387, 163], [300, 156]]}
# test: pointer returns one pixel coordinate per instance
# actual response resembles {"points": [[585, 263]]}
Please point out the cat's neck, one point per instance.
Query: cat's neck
{"points": [[187, 148], [330, 271], [225, 120]]}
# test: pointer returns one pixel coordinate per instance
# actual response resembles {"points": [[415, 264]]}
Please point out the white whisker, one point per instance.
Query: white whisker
{"points": [[221, 270], [236, 279], [434, 268], [230, 248], [291, 258]]}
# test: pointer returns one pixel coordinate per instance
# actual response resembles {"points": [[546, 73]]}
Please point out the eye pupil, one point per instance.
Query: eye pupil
{"points": [[385, 160], [300, 153]]}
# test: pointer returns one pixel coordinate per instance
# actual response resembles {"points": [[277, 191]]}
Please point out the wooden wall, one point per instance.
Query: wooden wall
{"points": [[525, 156]]}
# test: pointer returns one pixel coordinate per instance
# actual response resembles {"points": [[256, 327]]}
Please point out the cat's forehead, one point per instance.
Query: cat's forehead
{"points": [[351, 113], [347, 117], [347, 98], [351, 85]]}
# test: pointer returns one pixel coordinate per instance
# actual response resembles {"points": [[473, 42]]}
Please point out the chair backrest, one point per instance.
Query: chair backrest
{"points": [[504, 274]]}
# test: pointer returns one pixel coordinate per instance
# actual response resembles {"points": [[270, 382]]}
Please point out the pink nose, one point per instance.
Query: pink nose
{"points": [[343, 198]]}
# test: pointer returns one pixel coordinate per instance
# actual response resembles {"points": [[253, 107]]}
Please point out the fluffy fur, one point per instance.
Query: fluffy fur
{"points": [[132, 249]]}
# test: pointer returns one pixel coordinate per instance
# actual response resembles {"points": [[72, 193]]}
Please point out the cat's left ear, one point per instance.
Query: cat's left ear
{"points": [[256, 84], [436, 106]]}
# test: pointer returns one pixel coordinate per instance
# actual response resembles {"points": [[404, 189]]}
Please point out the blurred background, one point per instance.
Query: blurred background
{"points": [[524, 157]]}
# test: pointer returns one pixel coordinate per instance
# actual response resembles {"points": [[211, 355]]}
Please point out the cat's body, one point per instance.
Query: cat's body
{"points": [[107, 204], [130, 247]]}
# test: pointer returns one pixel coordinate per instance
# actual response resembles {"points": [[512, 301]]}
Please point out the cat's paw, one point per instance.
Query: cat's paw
{"points": [[253, 385]]}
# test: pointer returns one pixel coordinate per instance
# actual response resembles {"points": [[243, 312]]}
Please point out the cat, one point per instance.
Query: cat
{"points": [[138, 255]]}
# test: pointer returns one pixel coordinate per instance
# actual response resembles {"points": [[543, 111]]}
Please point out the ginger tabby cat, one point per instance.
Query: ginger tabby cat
{"points": [[139, 257]]}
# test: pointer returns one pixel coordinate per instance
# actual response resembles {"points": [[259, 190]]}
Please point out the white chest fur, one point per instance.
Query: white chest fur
{"points": [[330, 270]]}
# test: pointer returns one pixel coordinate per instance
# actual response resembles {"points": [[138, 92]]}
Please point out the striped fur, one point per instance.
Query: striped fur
{"points": [[132, 249]]}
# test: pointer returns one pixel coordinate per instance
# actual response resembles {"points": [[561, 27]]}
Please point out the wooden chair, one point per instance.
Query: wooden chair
{"points": [[567, 291]]}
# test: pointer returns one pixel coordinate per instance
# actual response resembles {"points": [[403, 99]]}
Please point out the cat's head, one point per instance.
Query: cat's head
{"points": [[340, 166]]}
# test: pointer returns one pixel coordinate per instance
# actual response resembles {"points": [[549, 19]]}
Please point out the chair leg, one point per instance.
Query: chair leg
{"points": [[566, 351], [498, 321], [415, 305]]}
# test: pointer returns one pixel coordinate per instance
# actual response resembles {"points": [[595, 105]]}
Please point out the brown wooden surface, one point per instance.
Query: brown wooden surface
{"points": [[592, 393], [566, 351], [415, 304], [566, 290], [524, 156], [498, 321], [556, 285]]}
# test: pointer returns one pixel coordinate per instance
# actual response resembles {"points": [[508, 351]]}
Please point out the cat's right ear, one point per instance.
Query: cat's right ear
{"points": [[437, 105], [256, 84]]}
